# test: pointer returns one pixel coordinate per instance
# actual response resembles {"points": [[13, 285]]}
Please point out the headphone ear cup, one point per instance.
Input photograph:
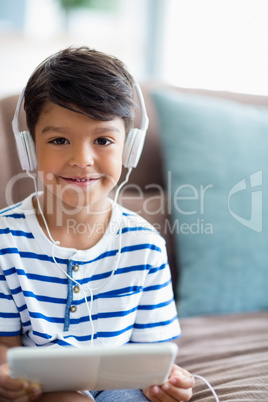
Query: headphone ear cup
{"points": [[26, 150], [133, 147]]}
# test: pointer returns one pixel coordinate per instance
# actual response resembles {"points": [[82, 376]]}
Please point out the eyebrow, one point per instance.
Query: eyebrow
{"points": [[62, 130], [105, 129], [53, 128]]}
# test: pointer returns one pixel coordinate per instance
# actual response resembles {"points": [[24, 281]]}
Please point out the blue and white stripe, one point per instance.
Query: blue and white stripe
{"points": [[37, 300]]}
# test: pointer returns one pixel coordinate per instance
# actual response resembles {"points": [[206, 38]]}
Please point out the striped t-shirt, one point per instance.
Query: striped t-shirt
{"points": [[38, 301]]}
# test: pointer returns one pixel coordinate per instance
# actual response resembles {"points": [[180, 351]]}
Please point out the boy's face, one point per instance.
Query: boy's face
{"points": [[79, 159]]}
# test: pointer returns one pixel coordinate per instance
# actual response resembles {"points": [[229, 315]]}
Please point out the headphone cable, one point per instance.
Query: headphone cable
{"points": [[57, 243]]}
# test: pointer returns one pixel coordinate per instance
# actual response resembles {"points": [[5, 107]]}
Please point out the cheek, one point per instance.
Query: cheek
{"points": [[116, 164], [42, 157], [46, 160], [47, 167], [46, 178], [113, 171], [114, 160]]}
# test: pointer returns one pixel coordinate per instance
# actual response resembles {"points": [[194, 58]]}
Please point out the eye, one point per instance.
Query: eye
{"points": [[59, 141], [102, 141]]}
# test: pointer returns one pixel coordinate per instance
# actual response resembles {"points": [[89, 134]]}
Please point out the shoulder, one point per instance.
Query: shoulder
{"points": [[11, 212], [10, 209], [133, 219], [133, 223], [16, 214], [22, 206]]}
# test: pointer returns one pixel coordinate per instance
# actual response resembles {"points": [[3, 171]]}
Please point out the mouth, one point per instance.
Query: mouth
{"points": [[80, 180]]}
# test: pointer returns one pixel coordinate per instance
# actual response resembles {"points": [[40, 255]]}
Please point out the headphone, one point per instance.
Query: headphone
{"points": [[132, 149]]}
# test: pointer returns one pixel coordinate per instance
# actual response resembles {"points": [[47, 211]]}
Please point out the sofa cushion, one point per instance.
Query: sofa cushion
{"points": [[216, 173]]}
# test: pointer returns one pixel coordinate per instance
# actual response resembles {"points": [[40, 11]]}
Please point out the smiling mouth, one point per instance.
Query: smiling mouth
{"points": [[80, 180]]}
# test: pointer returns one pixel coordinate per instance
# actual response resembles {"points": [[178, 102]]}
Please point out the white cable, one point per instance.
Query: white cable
{"points": [[121, 185], [209, 386], [114, 202], [56, 243], [40, 209], [89, 309]]}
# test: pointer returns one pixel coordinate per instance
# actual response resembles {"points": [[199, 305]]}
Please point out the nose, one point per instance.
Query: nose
{"points": [[82, 155]]}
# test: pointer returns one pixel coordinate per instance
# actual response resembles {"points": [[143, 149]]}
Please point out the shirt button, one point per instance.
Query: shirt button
{"points": [[73, 309], [75, 267], [76, 289]]}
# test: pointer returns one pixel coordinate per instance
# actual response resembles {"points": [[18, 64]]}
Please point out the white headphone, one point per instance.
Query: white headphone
{"points": [[132, 149]]}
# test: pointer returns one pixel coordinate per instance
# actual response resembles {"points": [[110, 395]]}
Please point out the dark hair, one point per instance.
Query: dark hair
{"points": [[83, 80]]}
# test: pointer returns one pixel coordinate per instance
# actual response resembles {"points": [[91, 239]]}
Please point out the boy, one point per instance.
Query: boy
{"points": [[60, 286]]}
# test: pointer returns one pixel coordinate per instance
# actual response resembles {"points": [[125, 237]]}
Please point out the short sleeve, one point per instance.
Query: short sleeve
{"points": [[10, 324]]}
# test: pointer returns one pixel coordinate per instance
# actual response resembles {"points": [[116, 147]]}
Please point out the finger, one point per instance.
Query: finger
{"points": [[176, 393], [182, 379], [34, 391], [152, 393], [8, 383], [11, 389], [157, 394], [12, 395], [15, 385]]}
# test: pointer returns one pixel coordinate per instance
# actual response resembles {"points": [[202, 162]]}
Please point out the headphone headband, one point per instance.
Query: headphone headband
{"points": [[144, 116], [15, 121]]}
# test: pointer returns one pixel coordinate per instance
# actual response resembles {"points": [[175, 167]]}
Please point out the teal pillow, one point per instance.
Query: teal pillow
{"points": [[216, 170]]}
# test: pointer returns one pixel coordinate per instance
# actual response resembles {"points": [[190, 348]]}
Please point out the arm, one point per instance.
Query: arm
{"points": [[7, 342], [10, 389]]}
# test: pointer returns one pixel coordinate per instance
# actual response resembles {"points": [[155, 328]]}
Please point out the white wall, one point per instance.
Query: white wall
{"points": [[217, 44]]}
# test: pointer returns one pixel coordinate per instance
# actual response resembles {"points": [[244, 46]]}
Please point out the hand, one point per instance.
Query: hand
{"points": [[16, 390], [178, 387]]}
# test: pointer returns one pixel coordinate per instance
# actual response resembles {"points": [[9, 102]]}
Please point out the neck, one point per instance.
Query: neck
{"points": [[80, 229]]}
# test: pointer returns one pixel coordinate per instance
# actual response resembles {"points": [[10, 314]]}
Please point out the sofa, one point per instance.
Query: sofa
{"points": [[202, 182]]}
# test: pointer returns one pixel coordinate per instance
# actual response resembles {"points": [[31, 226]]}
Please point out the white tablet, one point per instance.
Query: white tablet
{"points": [[126, 367]]}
